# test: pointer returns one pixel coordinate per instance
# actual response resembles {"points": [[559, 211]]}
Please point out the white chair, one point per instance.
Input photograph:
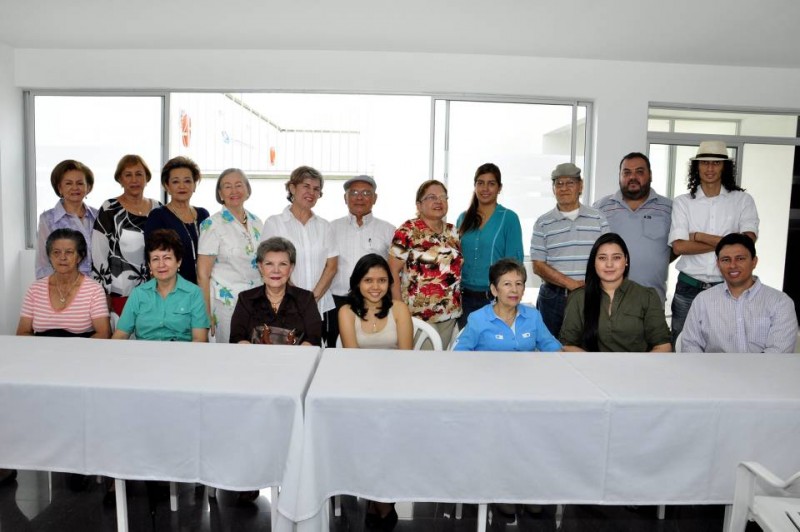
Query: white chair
{"points": [[425, 331], [797, 344], [774, 508], [456, 333]]}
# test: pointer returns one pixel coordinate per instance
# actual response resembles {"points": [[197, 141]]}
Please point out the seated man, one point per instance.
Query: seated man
{"points": [[740, 315]]}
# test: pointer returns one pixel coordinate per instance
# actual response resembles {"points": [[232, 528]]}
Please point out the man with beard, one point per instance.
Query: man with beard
{"points": [[642, 218]]}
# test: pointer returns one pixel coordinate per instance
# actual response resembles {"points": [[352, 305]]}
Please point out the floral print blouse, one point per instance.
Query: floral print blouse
{"points": [[235, 268], [431, 276]]}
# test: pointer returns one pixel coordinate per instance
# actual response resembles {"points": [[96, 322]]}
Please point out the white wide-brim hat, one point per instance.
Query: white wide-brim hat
{"points": [[711, 150]]}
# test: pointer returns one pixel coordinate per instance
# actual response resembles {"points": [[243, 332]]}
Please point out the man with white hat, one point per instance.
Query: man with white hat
{"points": [[357, 234], [714, 207], [561, 242]]}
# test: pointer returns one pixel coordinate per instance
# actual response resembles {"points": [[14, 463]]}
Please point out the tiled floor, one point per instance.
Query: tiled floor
{"points": [[29, 505]]}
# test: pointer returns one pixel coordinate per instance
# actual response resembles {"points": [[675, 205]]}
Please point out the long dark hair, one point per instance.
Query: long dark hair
{"points": [[593, 291], [728, 176], [472, 220], [360, 270]]}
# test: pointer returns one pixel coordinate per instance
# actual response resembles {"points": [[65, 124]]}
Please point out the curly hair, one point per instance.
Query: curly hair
{"points": [[728, 177]]}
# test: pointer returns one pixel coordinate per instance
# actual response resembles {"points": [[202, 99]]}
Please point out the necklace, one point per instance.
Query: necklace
{"points": [[186, 226], [250, 248], [62, 297], [275, 304]]}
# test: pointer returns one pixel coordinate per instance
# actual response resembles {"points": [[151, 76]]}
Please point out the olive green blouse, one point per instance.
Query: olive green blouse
{"points": [[636, 323]]}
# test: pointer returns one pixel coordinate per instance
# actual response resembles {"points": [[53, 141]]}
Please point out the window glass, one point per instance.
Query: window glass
{"points": [[97, 131]]}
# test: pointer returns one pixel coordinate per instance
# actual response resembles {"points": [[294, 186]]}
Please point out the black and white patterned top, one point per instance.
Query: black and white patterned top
{"points": [[118, 261]]}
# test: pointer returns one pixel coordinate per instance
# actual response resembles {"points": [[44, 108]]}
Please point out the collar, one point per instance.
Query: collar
{"points": [[286, 215], [583, 210], [230, 218], [747, 294], [619, 198], [367, 219], [701, 194], [181, 285], [59, 212]]}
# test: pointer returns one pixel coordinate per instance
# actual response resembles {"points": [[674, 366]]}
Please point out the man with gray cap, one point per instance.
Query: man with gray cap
{"points": [[561, 242], [357, 234]]}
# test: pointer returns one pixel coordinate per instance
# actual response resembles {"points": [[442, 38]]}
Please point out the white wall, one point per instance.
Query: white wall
{"points": [[12, 214], [621, 91]]}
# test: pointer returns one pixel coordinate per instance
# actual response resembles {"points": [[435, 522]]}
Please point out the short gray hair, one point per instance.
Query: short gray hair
{"points": [[277, 244], [226, 173]]}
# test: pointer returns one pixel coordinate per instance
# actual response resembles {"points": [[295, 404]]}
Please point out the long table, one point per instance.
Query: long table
{"points": [[227, 416], [541, 428]]}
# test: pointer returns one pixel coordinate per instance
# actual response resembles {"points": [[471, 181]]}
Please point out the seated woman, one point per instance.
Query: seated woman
{"points": [[613, 313], [276, 303], [167, 307], [66, 302], [506, 325], [372, 319]]}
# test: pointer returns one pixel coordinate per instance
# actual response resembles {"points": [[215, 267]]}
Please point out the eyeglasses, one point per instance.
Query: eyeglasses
{"points": [[68, 253], [434, 197], [363, 193], [565, 183]]}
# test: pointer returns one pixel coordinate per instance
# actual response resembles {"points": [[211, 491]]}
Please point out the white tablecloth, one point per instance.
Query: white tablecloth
{"points": [[547, 428], [227, 416]]}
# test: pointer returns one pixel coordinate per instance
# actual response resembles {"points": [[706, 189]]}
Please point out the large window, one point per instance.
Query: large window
{"points": [[97, 131], [764, 146], [400, 140]]}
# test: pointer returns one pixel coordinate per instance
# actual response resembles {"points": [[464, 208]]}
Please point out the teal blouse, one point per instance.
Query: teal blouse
{"points": [[499, 238], [152, 317]]}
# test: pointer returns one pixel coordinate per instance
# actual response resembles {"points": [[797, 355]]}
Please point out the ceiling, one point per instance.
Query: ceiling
{"points": [[735, 32]]}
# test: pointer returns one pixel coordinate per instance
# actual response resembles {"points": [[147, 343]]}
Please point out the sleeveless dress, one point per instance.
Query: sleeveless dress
{"points": [[383, 339]]}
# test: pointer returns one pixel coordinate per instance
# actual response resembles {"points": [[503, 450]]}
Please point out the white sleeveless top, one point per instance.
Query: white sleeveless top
{"points": [[386, 338]]}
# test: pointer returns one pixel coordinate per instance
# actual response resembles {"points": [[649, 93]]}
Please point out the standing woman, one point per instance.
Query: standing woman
{"points": [[611, 312], [489, 232], [226, 260], [71, 181], [372, 319], [312, 236], [179, 177], [425, 260], [118, 261]]}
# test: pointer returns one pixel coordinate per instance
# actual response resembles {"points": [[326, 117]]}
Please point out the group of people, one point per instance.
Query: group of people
{"points": [[175, 272], [137, 268]]}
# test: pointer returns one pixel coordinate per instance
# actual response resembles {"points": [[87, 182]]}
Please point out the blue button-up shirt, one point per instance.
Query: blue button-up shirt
{"points": [[486, 331]]}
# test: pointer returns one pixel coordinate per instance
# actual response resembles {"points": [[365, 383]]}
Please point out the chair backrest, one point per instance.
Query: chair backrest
{"points": [[761, 496], [454, 338], [425, 331], [797, 344]]}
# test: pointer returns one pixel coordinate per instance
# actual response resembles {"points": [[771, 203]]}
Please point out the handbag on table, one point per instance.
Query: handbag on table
{"points": [[265, 334]]}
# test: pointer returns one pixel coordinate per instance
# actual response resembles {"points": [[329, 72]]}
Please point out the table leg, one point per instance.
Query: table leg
{"points": [[559, 515], [482, 514], [459, 510], [274, 494], [122, 505], [173, 496], [726, 521], [662, 512]]}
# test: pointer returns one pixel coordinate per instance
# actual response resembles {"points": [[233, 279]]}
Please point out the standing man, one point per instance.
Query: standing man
{"points": [[740, 315], [714, 207], [357, 234], [561, 242], [642, 218]]}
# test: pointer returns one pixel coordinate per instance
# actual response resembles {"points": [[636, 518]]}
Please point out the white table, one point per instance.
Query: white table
{"points": [[541, 428], [226, 416]]}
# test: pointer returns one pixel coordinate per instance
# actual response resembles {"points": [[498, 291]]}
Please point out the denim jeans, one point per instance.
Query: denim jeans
{"points": [[470, 302], [681, 302], [551, 303]]}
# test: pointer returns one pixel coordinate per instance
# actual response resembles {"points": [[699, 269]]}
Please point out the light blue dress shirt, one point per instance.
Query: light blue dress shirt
{"points": [[485, 331]]}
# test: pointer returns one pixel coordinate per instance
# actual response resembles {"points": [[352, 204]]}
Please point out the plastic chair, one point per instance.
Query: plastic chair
{"points": [[774, 509], [678, 343], [425, 331], [456, 333]]}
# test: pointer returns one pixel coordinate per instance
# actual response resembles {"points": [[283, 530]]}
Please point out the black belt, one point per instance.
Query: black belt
{"points": [[695, 283], [557, 288], [476, 293]]}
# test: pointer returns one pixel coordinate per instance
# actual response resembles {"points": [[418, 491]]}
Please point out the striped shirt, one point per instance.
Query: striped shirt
{"points": [[761, 320], [565, 244], [89, 304]]}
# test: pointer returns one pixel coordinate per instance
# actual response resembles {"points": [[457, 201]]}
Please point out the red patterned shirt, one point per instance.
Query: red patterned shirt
{"points": [[431, 275]]}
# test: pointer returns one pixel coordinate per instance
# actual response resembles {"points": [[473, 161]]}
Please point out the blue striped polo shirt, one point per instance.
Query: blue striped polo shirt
{"points": [[565, 244]]}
